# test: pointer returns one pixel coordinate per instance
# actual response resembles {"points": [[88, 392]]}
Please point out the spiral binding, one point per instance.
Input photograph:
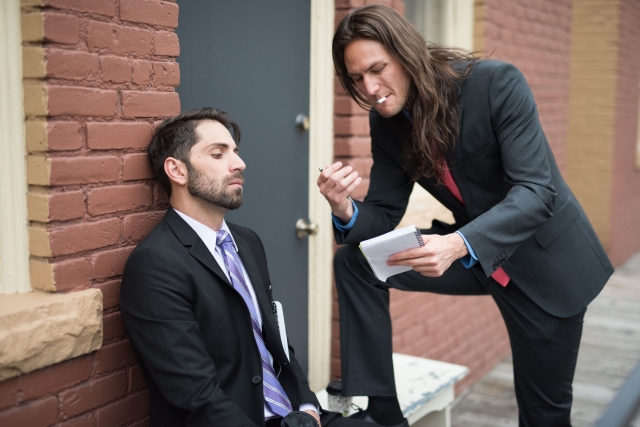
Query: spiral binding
{"points": [[419, 237]]}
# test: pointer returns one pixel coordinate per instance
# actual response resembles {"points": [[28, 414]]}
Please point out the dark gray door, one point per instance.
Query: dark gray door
{"points": [[251, 59]]}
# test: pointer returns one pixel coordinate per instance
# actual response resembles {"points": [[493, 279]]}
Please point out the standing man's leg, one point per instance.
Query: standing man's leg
{"points": [[365, 325], [545, 351]]}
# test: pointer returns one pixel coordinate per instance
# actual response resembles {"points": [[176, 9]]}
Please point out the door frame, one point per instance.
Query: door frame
{"points": [[321, 141]]}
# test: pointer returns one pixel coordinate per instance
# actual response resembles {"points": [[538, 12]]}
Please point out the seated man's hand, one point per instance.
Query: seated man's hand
{"points": [[315, 415], [435, 257]]}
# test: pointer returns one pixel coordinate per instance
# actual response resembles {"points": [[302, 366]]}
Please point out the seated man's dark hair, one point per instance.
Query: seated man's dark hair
{"points": [[175, 137]]}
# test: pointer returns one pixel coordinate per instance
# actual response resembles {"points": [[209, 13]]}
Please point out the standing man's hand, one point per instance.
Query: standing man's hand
{"points": [[435, 257], [336, 183]]}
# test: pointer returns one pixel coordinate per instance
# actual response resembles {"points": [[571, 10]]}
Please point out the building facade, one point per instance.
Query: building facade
{"points": [[84, 83]]}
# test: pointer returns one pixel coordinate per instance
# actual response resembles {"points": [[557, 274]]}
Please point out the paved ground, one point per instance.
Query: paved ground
{"points": [[609, 351]]}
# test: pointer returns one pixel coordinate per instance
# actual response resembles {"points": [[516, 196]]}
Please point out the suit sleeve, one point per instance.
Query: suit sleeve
{"points": [[496, 234], [159, 318], [386, 200]]}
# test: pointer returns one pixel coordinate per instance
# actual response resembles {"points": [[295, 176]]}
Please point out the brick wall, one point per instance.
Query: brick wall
{"points": [[99, 75], [625, 228], [535, 36]]}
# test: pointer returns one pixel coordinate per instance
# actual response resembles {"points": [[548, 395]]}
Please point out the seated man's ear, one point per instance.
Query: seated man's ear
{"points": [[176, 171]]}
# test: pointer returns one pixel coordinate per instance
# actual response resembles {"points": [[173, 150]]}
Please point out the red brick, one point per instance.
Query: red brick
{"points": [[114, 356], [166, 74], [40, 413], [110, 293], [67, 205], [136, 166], [118, 39], [61, 28], [343, 4], [362, 165], [165, 43], [118, 135], [71, 239], [52, 379], [344, 105], [80, 421], [354, 125], [136, 379], [118, 198], [109, 263], [130, 408], [361, 190], [112, 326], [149, 12], [141, 72], [81, 101], [83, 170], [93, 394], [355, 146], [137, 226], [115, 69], [64, 136], [8, 392], [160, 196], [150, 104], [72, 64], [72, 273], [100, 7]]}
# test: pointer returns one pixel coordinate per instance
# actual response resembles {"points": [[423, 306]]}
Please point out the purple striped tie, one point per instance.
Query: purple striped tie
{"points": [[274, 396]]}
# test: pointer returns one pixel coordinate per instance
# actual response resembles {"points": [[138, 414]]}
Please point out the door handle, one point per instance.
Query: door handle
{"points": [[302, 122], [305, 228]]}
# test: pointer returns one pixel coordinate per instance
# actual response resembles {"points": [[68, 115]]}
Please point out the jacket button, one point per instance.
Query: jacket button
{"points": [[256, 379]]}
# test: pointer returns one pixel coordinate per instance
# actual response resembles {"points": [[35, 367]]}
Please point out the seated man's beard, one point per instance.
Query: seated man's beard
{"points": [[216, 193]]}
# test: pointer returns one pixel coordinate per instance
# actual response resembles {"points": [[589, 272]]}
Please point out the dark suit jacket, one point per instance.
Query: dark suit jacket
{"points": [[192, 331], [518, 212]]}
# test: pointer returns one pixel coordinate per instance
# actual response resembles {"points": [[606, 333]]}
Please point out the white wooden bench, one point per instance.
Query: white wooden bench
{"points": [[425, 390]]}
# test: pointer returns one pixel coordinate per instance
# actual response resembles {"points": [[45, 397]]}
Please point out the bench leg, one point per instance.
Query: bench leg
{"points": [[440, 418]]}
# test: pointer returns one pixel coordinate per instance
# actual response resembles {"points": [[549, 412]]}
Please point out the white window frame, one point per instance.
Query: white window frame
{"points": [[455, 18], [14, 238]]}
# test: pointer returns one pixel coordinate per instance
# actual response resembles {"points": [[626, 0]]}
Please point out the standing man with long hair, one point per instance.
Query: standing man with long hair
{"points": [[468, 132]]}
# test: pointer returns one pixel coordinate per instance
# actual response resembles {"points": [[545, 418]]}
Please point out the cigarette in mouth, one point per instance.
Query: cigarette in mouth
{"points": [[381, 100]]}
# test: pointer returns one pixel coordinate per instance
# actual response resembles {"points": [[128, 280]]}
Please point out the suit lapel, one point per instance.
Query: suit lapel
{"points": [[189, 238]]}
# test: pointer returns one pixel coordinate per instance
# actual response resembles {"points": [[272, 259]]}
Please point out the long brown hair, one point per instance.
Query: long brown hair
{"points": [[433, 96]]}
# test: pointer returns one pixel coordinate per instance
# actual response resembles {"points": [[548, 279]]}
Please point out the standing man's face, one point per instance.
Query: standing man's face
{"points": [[215, 173], [377, 74]]}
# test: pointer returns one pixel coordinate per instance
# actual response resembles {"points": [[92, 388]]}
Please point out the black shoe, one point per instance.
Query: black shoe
{"points": [[363, 415]]}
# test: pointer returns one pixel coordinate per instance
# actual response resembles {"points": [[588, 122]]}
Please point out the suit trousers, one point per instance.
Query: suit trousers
{"points": [[328, 419], [544, 347]]}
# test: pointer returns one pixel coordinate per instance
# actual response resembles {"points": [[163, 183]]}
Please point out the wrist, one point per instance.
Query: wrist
{"points": [[459, 247], [344, 211]]}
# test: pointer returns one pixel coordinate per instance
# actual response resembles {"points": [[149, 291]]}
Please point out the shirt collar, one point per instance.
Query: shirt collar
{"points": [[204, 231]]}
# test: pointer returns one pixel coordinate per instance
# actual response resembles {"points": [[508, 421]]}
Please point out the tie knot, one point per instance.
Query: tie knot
{"points": [[223, 238]]}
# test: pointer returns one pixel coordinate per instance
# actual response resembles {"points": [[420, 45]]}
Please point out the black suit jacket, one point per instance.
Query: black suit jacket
{"points": [[518, 212], [192, 331]]}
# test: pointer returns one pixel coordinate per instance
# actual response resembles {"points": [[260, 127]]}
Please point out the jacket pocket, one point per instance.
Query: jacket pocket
{"points": [[558, 224]]}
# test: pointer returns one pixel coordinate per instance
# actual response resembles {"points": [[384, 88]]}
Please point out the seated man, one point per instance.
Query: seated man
{"points": [[196, 297]]}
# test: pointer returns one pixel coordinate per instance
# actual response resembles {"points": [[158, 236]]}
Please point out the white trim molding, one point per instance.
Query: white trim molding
{"points": [[320, 155], [14, 238]]}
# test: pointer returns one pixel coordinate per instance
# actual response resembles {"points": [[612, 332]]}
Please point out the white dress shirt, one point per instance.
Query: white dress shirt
{"points": [[210, 237]]}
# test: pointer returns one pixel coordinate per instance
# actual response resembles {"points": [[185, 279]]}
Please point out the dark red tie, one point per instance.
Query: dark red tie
{"points": [[499, 275]]}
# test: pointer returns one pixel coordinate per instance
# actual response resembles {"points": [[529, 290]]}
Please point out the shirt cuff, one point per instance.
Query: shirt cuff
{"points": [[309, 407], [471, 259], [348, 226]]}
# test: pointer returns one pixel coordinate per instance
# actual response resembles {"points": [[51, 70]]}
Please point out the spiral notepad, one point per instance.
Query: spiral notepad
{"points": [[378, 250]]}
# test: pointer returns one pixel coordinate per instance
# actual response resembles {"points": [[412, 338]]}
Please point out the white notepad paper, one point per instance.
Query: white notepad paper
{"points": [[378, 250]]}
